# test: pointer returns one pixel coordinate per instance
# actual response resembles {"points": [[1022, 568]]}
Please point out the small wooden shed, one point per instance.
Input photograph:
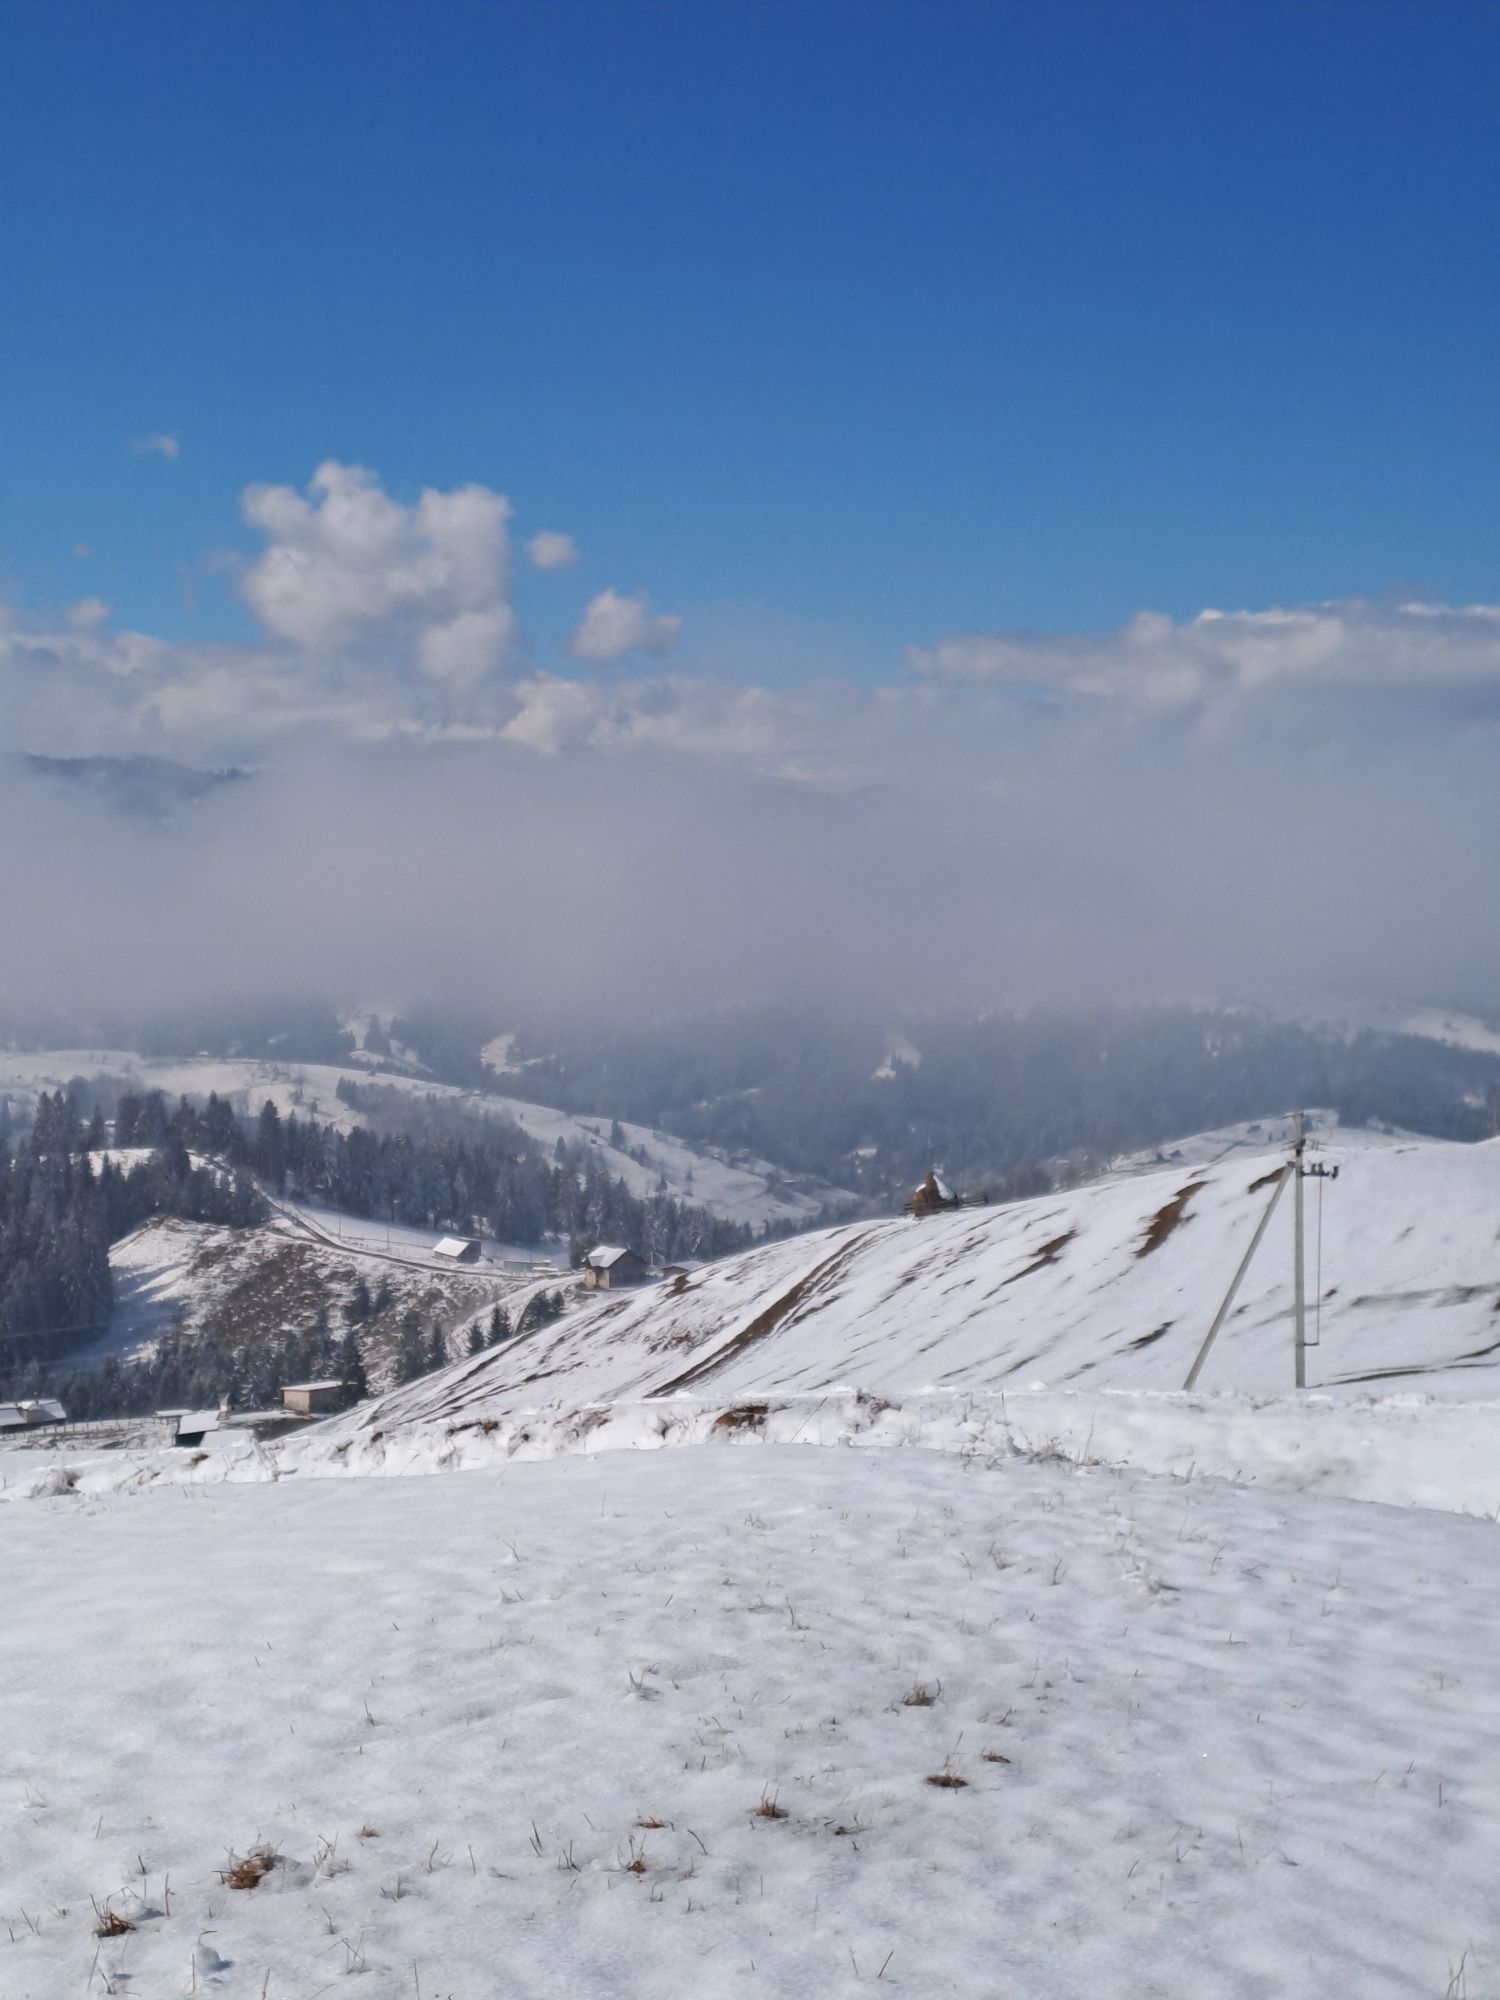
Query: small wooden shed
{"points": [[932, 1197], [313, 1399], [611, 1267]]}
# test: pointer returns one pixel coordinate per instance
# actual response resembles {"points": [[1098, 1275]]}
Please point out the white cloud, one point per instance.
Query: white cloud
{"points": [[690, 716], [1022, 819], [159, 444], [463, 651], [1224, 665], [346, 565], [550, 550], [612, 626]]}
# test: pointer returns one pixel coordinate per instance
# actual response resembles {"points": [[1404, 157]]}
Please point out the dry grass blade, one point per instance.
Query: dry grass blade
{"points": [[947, 1781], [248, 1871], [768, 1808], [923, 1695]]}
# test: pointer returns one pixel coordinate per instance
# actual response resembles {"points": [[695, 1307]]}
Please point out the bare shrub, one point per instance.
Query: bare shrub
{"points": [[742, 1417]]}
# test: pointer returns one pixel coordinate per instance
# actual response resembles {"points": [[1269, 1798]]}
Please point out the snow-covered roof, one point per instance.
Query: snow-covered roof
{"points": [[607, 1255], [295, 1388], [35, 1410], [945, 1193], [193, 1423], [454, 1246]]}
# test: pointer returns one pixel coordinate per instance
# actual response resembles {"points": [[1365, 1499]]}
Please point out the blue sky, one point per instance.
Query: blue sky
{"points": [[835, 328]]}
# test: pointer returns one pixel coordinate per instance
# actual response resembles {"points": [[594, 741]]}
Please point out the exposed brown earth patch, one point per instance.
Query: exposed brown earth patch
{"points": [[1171, 1215]]}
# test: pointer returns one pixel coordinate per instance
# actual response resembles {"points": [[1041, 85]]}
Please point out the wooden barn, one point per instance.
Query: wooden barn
{"points": [[32, 1413], [608, 1269], [191, 1427], [932, 1197], [458, 1249]]}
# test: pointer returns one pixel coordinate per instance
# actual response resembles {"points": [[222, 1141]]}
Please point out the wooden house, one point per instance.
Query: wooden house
{"points": [[609, 1269]]}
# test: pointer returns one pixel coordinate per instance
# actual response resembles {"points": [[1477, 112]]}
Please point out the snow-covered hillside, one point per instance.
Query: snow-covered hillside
{"points": [[1448, 1025], [236, 1286], [738, 1189], [1111, 1285]]}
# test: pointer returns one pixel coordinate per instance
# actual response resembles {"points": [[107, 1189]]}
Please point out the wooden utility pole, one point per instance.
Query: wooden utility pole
{"points": [[1299, 1283]]}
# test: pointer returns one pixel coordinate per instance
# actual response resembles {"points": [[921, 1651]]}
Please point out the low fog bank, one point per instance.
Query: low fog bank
{"points": [[960, 855], [1278, 804]]}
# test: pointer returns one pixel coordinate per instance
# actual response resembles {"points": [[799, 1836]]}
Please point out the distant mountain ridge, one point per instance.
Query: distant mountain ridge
{"points": [[150, 788]]}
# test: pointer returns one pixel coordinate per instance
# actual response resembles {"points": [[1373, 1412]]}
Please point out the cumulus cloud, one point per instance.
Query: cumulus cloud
{"points": [[345, 563], [159, 445], [612, 626], [549, 550]]}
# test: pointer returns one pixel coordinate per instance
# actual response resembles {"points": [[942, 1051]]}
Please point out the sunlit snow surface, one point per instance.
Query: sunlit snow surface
{"points": [[1213, 1741], [1220, 1674]]}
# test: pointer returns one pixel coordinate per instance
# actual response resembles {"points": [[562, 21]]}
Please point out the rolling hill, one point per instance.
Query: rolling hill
{"points": [[1112, 1285], [735, 1186]]}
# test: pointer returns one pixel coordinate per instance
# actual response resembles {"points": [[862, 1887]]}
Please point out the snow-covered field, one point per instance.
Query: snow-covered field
{"points": [[744, 1189], [668, 1724], [781, 1634]]}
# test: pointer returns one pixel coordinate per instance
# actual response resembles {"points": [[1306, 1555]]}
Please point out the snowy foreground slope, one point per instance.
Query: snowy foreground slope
{"points": [[1111, 1285], [668, 1725]]}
